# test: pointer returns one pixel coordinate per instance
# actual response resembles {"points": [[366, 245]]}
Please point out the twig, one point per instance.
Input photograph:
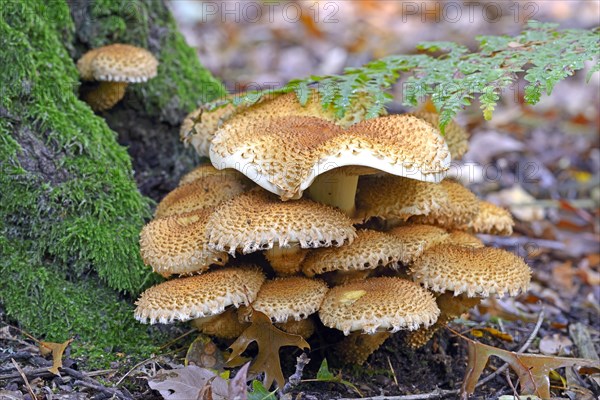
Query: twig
{"points": [[103, 389], [44, 373], [514, 390], [136, 366], [393, 372], [296, 377], [29, 389], [438, 393]]}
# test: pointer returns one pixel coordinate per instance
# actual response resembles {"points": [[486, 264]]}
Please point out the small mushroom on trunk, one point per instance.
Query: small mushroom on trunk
{"points": [[114, 66]]}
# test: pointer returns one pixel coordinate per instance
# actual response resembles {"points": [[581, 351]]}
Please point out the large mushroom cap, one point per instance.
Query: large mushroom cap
{"points": [[474, 271], [370, 249], [456, 137], [293, 298], [256, 221], [199, 296], [209, 191], [177, 244], [118, 63], [284, 155], [386, 303]]}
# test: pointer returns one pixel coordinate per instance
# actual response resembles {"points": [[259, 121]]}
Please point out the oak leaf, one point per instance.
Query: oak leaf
{"points": [[57, 350], [532, 369], [269, 340]]}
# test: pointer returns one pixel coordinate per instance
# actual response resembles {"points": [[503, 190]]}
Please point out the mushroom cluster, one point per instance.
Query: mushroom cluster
{"points": [[359, 230]]}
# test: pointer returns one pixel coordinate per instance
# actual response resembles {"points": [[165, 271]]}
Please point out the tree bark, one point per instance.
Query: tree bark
{"points": [[70, 208]]}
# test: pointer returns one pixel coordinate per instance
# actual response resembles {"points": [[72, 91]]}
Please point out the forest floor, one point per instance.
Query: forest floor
{"points": [[541, 162]]}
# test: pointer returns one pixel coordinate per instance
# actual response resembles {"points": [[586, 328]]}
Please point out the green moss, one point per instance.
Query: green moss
{"points": [[70, 211]]}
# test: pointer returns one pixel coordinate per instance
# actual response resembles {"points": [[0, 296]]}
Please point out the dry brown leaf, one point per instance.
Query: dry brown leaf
{"points": [[190, 382], [57, 350], [269, 340], [532, 369]]}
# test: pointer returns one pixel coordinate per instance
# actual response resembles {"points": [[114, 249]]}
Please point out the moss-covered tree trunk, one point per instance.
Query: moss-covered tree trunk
{"points": [[70, 208]]}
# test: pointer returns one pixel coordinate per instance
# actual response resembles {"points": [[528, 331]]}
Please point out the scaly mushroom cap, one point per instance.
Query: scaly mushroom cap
{"points": [[117, 63], [460, 238], [256, 221], [460, 209], [292, 298], [456, 137], [492, 219], [207, 192], [199, 127], [370, 249], [225, 326], [395, 198], [475, 271], [415, 239], [284, 155], [285, 105], [199, 296], [177, 244], [205, 170], [376, 304]]}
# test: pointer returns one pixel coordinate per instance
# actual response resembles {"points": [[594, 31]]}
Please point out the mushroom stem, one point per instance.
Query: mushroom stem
{"points": [[337, 189], [106, 95], [357, 347], [285, 260]]}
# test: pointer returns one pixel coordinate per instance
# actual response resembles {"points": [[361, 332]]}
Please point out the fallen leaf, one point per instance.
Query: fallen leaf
{"points": [[57, 350], [532, 369], [269, 340], [260, 393], [237, 385], [190, 382], [555, 344]]}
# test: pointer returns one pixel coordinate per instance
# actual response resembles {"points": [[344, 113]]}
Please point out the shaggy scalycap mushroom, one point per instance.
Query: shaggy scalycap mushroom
{"points": [[205, 170], [199, 127], [459, 210], [177, 244], [226, 325], [114, 66], [456, 137], [415, 239], [292, 298], [378, 304], [492, 219], [396, 198], [475, 271], [206, 192], [257, 220], [199, 296], [284, 155], [370, 249]]}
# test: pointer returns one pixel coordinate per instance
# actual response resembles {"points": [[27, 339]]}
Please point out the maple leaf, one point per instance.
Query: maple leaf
{"points": [[269, 340], [57, 350], [532, 369]]}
